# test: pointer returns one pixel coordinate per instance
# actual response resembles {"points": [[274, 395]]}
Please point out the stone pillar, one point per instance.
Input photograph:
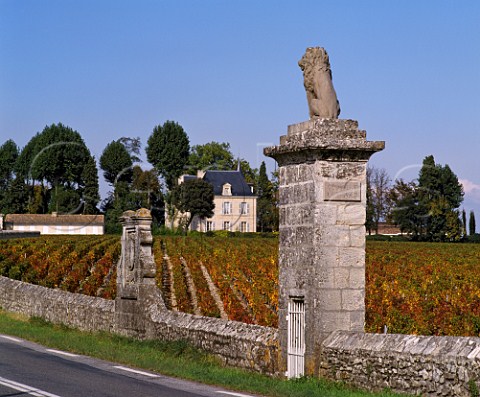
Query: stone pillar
{"points": [[135, 273], [322, 228]]}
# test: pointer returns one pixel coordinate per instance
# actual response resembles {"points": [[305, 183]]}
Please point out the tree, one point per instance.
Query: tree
{"points": [[266, 206], [218, 156], [168, 150], [91, 195], [55, 158], [8, 156], [471, 223], [116, 163], [38, 199], [250, 174], [212, 155], [441, 194], [15, 197], [25, 159], [264, 186], [133, 146], [429, 209], [378, 204], [144, 191], [59, 157], [406, 212], [194, 197], [65, 200]]}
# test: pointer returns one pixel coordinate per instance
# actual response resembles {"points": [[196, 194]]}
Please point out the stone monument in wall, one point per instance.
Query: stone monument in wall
{"points": [[322, 199], [135, 272]]}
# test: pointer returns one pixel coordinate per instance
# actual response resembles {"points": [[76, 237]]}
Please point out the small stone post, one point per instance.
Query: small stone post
{"points": [[135, 273], [322, 229]]}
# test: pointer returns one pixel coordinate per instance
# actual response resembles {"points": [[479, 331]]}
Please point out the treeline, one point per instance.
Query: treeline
{"points": [[56, 172], [427, 209]]}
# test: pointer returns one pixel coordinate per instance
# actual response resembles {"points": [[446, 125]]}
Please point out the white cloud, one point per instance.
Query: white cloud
{"points": [[471, 189]]}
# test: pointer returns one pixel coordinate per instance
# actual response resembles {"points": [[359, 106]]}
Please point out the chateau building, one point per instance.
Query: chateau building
{"points": [[235, 203]]}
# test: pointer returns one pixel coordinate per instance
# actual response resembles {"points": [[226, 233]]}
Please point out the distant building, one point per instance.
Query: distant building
{"points": [[235, 203], [54, 223], [387, 229]]}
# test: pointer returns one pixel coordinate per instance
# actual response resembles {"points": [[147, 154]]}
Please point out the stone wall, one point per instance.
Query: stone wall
{"points": [[426, 365], [237, 344], [57, 306]]}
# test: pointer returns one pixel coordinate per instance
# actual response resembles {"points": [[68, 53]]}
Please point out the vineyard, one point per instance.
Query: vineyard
{"points": [[83, 264], [415, 288]]}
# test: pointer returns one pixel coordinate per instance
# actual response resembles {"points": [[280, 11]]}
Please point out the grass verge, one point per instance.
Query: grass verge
{"points": [[177, 359]]}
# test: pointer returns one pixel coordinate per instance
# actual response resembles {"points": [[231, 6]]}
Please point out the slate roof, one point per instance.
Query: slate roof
{"points": [[49, 219], [234, 178]]}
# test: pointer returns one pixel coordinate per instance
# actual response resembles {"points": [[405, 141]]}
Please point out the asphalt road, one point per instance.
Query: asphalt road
{"points": [[30, 369]]}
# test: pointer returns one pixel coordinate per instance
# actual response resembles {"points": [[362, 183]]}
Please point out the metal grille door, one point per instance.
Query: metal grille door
{"points": [[296, 338]]}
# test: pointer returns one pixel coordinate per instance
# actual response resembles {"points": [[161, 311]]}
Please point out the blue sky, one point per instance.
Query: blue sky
{"points": [[408, 71]]}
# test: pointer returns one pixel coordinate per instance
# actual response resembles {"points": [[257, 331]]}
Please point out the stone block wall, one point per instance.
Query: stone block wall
{"points": [[237, 344], [59, 307], [423, 365], [426, 365]]}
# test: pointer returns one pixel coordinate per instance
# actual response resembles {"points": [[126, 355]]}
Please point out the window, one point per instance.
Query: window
{"points": [[244, 227], [210, 226], [226, 225], [244, 208], [227, 189], [227, 208]]}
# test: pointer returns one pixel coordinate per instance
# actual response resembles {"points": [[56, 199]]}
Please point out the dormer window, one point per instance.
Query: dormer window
{"points": [[227, 189]]}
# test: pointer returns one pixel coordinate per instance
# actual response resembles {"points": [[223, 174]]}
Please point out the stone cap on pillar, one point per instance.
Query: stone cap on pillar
{"points": [[130, 216], [324, 139]]}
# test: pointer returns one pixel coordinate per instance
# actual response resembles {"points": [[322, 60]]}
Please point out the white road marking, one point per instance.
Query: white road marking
{"points": [[62, 353], [25, 388], [135, 371], [11, 338], [233, 394]]}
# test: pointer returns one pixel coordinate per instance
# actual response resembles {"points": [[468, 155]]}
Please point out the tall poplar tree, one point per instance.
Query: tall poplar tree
{"points": [[266, 203], [91, 195], [471, 223]]}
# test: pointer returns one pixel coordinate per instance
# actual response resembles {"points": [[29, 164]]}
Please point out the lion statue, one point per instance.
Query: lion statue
{"points": [[317, 79]]}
